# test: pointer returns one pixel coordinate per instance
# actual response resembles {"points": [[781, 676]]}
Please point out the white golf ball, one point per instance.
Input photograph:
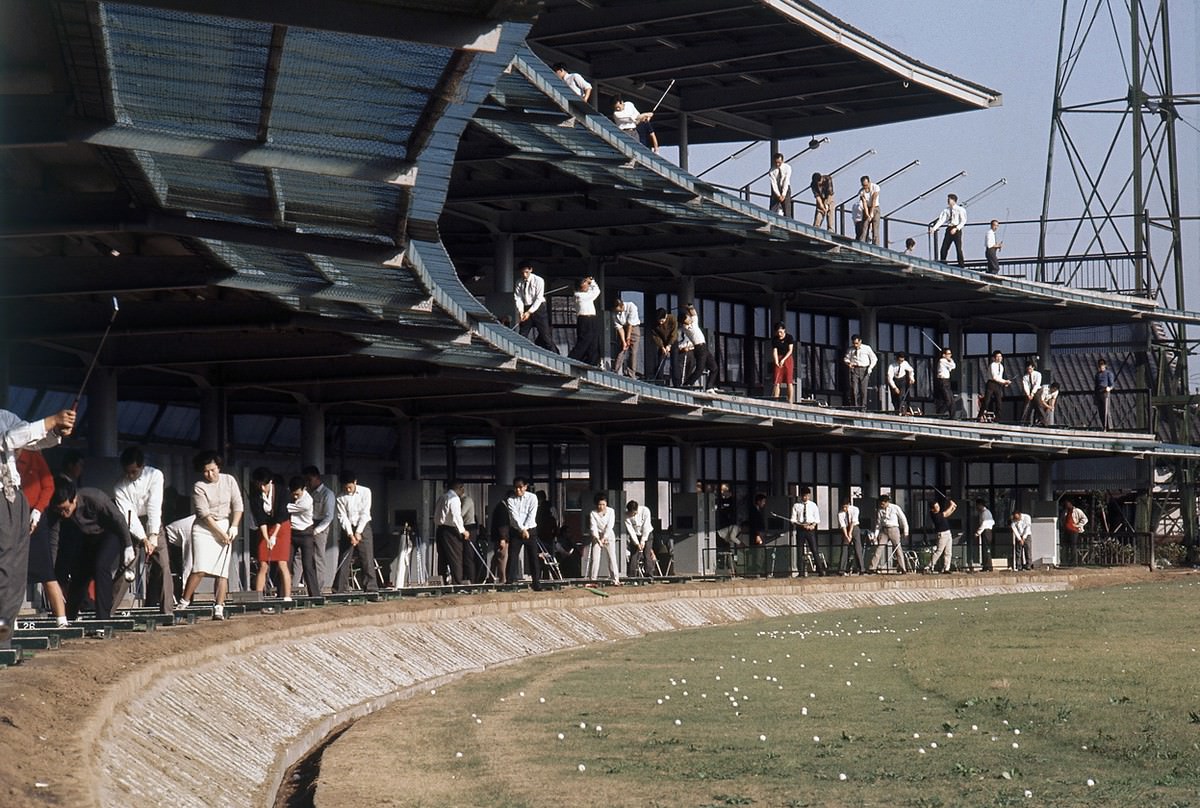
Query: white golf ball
{"points": [[678, 722], [1091, 782], [762, 737], [842, 776], [542, 700], [458, 754], [562, 737], [816, 739], [1016, 745], [582, 725], [1028, 793], [599, 728], [582, 768]]}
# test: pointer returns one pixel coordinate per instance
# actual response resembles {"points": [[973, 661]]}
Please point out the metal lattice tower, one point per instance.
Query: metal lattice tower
{"points": [[1122, 192]]}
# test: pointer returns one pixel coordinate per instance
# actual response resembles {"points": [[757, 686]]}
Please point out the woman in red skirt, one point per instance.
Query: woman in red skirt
{"points": [[268, 502], [783, 351]]}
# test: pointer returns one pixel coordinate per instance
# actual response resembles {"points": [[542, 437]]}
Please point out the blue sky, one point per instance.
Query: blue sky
{"points": [[1010, 46]]}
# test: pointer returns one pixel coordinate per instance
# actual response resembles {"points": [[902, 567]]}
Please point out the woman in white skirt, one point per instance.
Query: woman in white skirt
{"points": [[601, 522], [217, 503]]}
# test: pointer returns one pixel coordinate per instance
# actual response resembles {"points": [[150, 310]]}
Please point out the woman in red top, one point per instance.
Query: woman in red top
{"points": [[37, 484]]}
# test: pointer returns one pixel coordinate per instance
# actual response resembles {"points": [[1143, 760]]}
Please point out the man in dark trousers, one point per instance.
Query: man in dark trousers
{"points": [[14, 508], [101, 535], [758, 537]]}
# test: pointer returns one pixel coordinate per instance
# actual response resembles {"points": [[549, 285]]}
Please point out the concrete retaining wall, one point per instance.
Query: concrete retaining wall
{"points": [[219, 727]]}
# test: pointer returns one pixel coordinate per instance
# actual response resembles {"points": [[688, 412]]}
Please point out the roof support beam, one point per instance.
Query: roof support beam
{"points": [[251, 153], [670, 62], [456, 31], [56, 276]]}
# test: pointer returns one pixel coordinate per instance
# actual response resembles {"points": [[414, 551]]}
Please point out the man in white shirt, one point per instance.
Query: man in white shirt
{"points": [[628, 324], [954, 219], [992, 247], [861, 360], [522, 534], [868, 196], [324, 511], [806, 516], [851, 538], [300, 514], [943, 396], [627, 117], [900, 378], [1022, 533], [780, 177], [639, 529], [139, 496], [600, 526], [578, 84], [1047, 403], [529, 297], [354, 518], [983, 534], [14, 507], [1031, 385], [994, 391], [892, 525], [450, 531]]}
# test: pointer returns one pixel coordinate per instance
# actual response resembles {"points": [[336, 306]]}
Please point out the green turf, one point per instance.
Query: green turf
{"points": [[1008, 694]]}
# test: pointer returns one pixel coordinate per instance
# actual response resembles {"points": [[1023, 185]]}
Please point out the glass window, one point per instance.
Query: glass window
{"points": [[178, 424], [134, 418]]}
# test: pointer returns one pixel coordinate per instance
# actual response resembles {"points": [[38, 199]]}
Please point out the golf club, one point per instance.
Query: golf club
{"points": [[664, 95], [116, 307]]}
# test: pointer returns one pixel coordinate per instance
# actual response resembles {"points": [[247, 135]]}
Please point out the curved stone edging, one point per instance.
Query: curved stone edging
{"points": [[221, 726]]}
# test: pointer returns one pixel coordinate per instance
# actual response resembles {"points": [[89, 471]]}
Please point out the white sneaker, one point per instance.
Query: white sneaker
{"points": [[63, 622], [183, 604], [219, 612], [287, 599]]}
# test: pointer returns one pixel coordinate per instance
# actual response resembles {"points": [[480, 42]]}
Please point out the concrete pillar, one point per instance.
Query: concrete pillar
{"points": [[870, 472], [597, 463], [103, 437], [408, 452], [506, 456], [500, 301], [1047, 358], [687, 468], [652, 479], [683, 141], [868, 327], [1046, 480], [312, 435], [213, 420], [687, 290], [778, 481]]}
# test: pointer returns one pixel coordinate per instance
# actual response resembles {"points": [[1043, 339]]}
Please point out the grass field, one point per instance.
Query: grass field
{"points": [[1081, 698]]}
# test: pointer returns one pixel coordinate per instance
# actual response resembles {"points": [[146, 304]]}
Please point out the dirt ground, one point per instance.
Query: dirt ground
{"points": [[48, 705]]}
